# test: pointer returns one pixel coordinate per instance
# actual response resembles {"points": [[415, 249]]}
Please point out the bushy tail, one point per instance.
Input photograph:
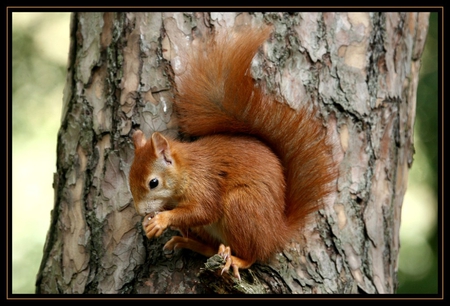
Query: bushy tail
{"points": [[217, 94]]}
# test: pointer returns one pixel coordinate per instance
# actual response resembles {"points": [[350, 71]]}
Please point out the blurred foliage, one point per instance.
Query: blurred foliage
{"points": [[40, 44], [418, 264], [39, 51], [427, 105], [36, 75]]}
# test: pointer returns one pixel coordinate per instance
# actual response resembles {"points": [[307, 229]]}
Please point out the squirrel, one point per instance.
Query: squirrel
{"points": [[255, 171]]}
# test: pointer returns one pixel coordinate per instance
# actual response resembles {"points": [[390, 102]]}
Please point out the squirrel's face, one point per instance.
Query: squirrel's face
{"points": [[152, 174], [152, 193]]}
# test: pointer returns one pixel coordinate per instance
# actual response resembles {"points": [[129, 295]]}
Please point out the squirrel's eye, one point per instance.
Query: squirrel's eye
{"points": [[153, 183]]}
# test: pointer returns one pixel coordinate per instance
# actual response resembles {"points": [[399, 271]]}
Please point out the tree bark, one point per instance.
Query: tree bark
{"points": [[360, 68]]}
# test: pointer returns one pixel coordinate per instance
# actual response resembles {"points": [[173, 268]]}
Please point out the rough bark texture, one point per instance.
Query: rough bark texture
{"points": [[361, 68]]}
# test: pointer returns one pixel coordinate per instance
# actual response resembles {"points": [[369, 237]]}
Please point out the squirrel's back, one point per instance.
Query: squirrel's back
{"points": [[245, 180]]}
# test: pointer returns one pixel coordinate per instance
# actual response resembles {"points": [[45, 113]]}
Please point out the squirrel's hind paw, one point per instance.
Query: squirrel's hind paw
{"points": [[225, 253]]}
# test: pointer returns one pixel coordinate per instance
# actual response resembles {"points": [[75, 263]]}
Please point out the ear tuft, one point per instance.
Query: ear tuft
{"points": [[159, 142], [161, 147], [139, 139]]}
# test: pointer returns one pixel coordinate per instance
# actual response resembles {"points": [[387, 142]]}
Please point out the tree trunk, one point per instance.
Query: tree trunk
{"points": [[360, 68]]}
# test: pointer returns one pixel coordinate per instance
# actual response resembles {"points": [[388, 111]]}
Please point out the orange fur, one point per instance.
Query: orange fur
{"points": [[250, 193]]}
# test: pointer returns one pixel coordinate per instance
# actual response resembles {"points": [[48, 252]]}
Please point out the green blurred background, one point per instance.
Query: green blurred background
{"points": [[39, 55]]}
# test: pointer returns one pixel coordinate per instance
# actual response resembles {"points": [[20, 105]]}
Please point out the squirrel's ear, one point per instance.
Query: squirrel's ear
{"points": [[139, 139], [161, 147]]}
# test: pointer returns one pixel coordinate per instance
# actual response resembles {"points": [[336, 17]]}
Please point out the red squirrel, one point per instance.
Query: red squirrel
{"points": [[246, 186]]}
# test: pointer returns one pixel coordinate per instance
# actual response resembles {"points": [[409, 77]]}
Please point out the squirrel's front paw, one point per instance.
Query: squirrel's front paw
{"points": [[155, 224]]}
